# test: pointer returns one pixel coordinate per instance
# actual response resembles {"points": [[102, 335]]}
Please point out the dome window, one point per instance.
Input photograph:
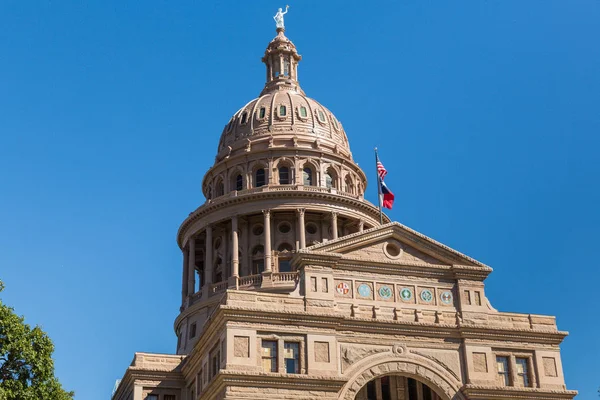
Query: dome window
{"points": [[335, 123], [321, 116], [260, 177], [239, 182], [284, 176], [311, 229], [302, 112], [219, 188], [257, 230], [282, 111], [284, 227], [307, 176], [262, 113], [244, 118]]}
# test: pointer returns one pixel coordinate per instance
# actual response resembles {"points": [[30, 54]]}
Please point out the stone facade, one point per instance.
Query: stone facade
{"points": [[293, 288]]}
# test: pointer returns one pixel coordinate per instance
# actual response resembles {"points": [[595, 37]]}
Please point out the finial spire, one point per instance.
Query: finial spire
{"points": [[281, 59], [279, 18]]}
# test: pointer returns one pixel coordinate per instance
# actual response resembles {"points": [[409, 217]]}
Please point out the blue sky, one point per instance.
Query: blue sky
{"points": [[485, 113]]}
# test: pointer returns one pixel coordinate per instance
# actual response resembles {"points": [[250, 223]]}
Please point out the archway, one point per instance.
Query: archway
{"points": [[397, 387], [416, 372]]}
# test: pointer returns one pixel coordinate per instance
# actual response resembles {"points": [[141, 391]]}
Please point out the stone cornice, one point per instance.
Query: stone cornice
{"points": [[407, 235], [272, 380], [476, 392], [362, 206]]}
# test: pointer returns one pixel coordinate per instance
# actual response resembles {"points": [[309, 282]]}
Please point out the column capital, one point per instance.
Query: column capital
{"points": [[300, 211], [334, 214], [266, 213]]}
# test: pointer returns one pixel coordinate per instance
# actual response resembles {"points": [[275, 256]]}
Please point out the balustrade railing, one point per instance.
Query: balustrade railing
{"points": [[250, 280], [284, 276], [218, 288]]}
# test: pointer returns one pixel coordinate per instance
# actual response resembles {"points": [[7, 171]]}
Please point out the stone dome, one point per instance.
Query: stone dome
{"points": [[283, 110]]}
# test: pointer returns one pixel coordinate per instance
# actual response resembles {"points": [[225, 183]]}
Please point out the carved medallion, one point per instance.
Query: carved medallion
{"points": [[385, 292], [426, 295], [406, 294], [446, 297], [364, 290], [343, 288]]}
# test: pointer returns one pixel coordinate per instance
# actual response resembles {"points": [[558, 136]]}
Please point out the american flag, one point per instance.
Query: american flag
{"points": [[381, 170]]}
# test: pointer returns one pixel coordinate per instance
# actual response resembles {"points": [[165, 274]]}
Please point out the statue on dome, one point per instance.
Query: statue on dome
{"points": [[279, 17]]}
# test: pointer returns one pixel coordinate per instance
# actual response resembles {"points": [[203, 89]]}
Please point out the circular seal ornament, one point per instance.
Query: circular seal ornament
{"points": [[405, 294], [426, 295], [446, 297], [343, 288], [385, 292], [364, 290]]}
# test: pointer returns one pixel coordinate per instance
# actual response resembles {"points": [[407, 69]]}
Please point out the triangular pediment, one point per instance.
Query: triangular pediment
{"points": [[395, 243]]}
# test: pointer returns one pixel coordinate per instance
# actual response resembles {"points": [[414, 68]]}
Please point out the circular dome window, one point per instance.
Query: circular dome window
{"points": [[258, 230], [284, 227], [311, 229], [393, 250]]}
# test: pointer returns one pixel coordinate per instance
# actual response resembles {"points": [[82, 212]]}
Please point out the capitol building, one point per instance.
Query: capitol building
{"points": [[292, 286]]}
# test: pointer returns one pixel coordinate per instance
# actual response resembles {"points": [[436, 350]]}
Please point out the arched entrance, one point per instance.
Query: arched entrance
{"points": [[396, 387], [414, 378]]}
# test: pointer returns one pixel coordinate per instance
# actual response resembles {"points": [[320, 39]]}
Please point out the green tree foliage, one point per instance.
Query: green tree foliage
{"points": [[26, 365]]}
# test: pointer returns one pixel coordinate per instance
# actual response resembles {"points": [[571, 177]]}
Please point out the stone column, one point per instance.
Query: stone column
{"points": [[301, 227], [191, 266], [267, 233], [235, 261], [334, 225], [208, 267], [361, 225]]}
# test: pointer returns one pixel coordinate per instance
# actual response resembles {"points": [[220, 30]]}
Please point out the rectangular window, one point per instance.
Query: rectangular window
{"points": [[215, 362], [303, 112], [282, 111], [503, 374], [262, 112], [269, 355], [291, 355], [478, 298], [522, 372], [193, 330]]}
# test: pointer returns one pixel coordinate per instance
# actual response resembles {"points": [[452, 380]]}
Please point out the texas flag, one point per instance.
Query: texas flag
{"points": [[386, 198]]}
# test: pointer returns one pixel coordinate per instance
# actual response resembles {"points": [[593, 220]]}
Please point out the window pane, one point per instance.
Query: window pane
{"points": [[269, 355], [303, 112], [260, 177], [522, 372], [291, 356], [239, 182], [307, 175], [502, 365], [152, 397], [282, 111], [284, 176], [285, 266], [262, 113], [328, 181]]}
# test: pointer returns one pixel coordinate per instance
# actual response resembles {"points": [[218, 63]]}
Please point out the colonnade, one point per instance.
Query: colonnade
{"points": [[189, 274]]}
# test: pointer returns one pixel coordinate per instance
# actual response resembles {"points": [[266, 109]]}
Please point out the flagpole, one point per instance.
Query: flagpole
{"points": [[378, 188]]}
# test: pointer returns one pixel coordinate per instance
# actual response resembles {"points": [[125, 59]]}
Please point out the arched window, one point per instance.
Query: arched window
{"points": [[284, 176], [219, 188], [258, 261], [349, 185], [260, 177], [282, 111], [244, 118], [262, 112], [239, 182], [307, 177]]}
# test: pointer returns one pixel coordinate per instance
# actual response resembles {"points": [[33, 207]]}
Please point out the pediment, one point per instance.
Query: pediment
{"points": [[395, 243]]}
